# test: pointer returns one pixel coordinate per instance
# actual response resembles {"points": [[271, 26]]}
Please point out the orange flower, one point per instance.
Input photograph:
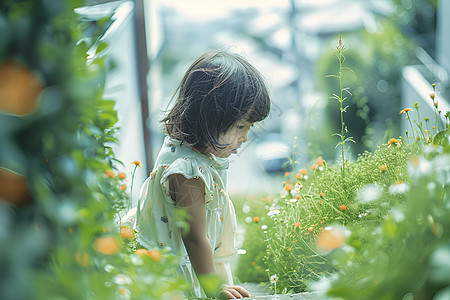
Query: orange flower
{"points": [[328, 240], [141, 251], [303, 171], [405, 110], [19, 88], [137, 163], [123, 187], [320, 161], [107, 245], [256, 219], [82, 260], [297, 197], [314, 167], [311, 228], [320, 194], [297, 224], [122, 175], [432, 95], [393, 141], [126, 232], [110, 174], [286, 174], [288, 187], [153, 254], [343, 207], [284, 182], [383, 168], [298, 176], [288, 250]]}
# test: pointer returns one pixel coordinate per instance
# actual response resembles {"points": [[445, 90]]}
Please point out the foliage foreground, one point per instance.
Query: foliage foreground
{"points": [[59, 185]]}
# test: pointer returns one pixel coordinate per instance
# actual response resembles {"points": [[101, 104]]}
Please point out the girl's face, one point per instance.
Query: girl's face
{"points": [[234, 138]]}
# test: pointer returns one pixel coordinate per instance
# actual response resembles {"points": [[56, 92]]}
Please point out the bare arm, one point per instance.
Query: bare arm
{"points": [[190, 194]]}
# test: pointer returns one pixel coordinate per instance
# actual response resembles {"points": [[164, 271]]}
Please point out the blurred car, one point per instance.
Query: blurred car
{"points": [[273, 152]]}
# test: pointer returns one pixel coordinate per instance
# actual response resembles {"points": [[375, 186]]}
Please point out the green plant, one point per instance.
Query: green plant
{"points": [[424, 134], [314, 202], [340, 98], [377, 58], [377, 262], [323, 197], [338, 226]]}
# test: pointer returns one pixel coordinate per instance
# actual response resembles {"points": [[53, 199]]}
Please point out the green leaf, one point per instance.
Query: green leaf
{"points": [[441, 138], [101, 47], [106, 104]]}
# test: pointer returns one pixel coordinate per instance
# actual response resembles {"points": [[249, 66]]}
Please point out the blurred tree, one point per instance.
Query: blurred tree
{"points": [[417, 20]]}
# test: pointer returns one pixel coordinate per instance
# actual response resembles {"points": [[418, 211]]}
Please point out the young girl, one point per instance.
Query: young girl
{"points": [[219, 98]]}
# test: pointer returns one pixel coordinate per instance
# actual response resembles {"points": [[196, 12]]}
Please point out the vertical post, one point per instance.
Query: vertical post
{"points": [[143, 68]]}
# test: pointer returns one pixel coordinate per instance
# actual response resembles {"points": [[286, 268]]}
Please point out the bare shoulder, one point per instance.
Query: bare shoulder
{"points": [[186, 191]]}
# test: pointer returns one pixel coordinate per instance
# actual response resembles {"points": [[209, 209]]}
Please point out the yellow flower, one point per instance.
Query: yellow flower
{"points": [[137, 163], [405, 110]]}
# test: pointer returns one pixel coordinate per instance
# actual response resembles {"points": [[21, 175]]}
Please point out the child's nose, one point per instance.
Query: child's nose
{"points": [[244, 137]]}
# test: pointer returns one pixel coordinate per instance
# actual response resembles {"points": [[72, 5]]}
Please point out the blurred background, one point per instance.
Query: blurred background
{"points": [[396, 49]]}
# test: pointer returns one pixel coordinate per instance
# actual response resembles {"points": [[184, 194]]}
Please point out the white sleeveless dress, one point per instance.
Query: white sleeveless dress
{"points": [[156, 222]]}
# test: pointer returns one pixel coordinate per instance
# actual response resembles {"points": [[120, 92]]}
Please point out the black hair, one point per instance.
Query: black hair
{"points": [[218, 89]]}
